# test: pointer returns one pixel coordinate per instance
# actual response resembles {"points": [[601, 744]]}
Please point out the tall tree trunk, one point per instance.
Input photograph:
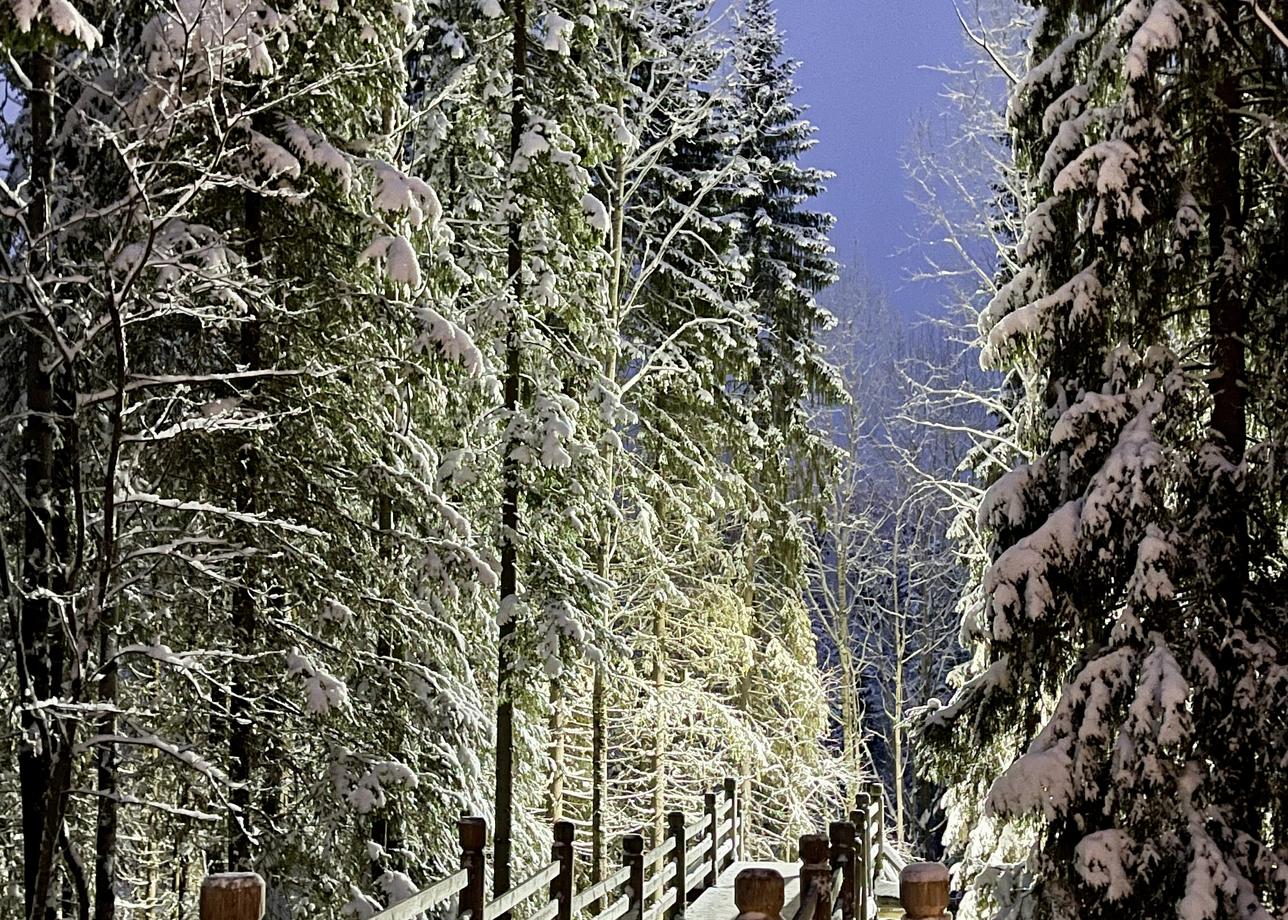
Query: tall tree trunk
{"points": [[105, 774], [502, 842], [241, 734], [659, 735], [45, 535], [386, 825], [896, 714], [555, 790], [599, 774], [1227, 313], [106, 754], [598, 707], [1228, 324], [845, 654]]}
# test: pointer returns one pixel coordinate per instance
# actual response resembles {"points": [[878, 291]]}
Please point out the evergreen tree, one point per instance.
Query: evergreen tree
{"points": [[788, 261], [1128, 629]]}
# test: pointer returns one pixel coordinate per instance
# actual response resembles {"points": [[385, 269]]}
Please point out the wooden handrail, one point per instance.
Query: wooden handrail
{"points": [[506, 902], [667, 872], [599, 889], [617, 909], [546, 913], [430, 897], [660, 851], [695, 853], [694, 879]]}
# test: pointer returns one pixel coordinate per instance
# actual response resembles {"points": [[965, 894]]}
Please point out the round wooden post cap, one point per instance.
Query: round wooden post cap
{"points": [[758, 892], [923, 890], [232, 896]]}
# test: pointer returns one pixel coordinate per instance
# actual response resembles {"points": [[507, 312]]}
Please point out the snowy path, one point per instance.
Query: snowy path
{"points": [[717, 903]]}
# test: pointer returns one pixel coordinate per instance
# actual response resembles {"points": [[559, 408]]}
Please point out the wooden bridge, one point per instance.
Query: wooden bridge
{"points": [[697, 872]]}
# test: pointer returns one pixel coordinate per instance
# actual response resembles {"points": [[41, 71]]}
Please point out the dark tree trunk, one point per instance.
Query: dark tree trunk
{"points": [[510, 480], [1228, 326], [241, 730], [1227, 315], [45, 535], [105, 769], [386, 826]]}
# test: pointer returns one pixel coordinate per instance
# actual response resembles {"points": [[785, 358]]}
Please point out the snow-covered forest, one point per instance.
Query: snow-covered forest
{"points": [[420, 408]]}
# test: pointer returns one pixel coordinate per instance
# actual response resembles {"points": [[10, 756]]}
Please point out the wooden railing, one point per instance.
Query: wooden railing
{"points": [[650, 885], [838, 872], [838, 875]]}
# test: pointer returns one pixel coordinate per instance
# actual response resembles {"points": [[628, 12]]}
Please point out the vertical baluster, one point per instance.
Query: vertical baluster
{"points": [[841, 834], [815, 872], [562, 852], [735, 825], [877, 793], [633, 859], [861, 816], [713, 834], [473, 837], [675, 824]]}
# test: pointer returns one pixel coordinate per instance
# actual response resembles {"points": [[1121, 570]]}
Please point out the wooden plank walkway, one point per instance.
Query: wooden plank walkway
{"points": [[717, 903]]}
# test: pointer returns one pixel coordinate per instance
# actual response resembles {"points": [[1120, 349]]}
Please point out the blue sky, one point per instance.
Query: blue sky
{"points": [[863, 75]]}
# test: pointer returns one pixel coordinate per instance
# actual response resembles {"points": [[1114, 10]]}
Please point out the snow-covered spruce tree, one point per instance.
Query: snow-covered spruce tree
{"points": [[668, 721], [1128, 631], [660, 203], [521, 83], [253, 215], [788, 261]]}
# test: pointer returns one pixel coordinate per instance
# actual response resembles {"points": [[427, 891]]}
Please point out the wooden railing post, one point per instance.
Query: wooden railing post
{"points": [[841, 834], [473, 837], [759, 894], [877, 793], [675, 825], [923, 891], [561, 851], [633, 859], [232, 896], [735, 832], [815, 872], [863, 844], [713, 832]]}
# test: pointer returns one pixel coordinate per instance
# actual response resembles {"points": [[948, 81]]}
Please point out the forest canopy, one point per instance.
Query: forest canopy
{"points": [[426, 408]]}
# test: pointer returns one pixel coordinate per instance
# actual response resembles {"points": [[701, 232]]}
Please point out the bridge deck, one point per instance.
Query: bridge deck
{"points": [[717, 903]]}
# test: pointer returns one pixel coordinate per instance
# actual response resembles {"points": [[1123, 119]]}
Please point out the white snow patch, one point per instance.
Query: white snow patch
{"points": [[556, 29], [596, 213], [1160, 32], [401, 263], [1104, 860], [62, 15]]}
